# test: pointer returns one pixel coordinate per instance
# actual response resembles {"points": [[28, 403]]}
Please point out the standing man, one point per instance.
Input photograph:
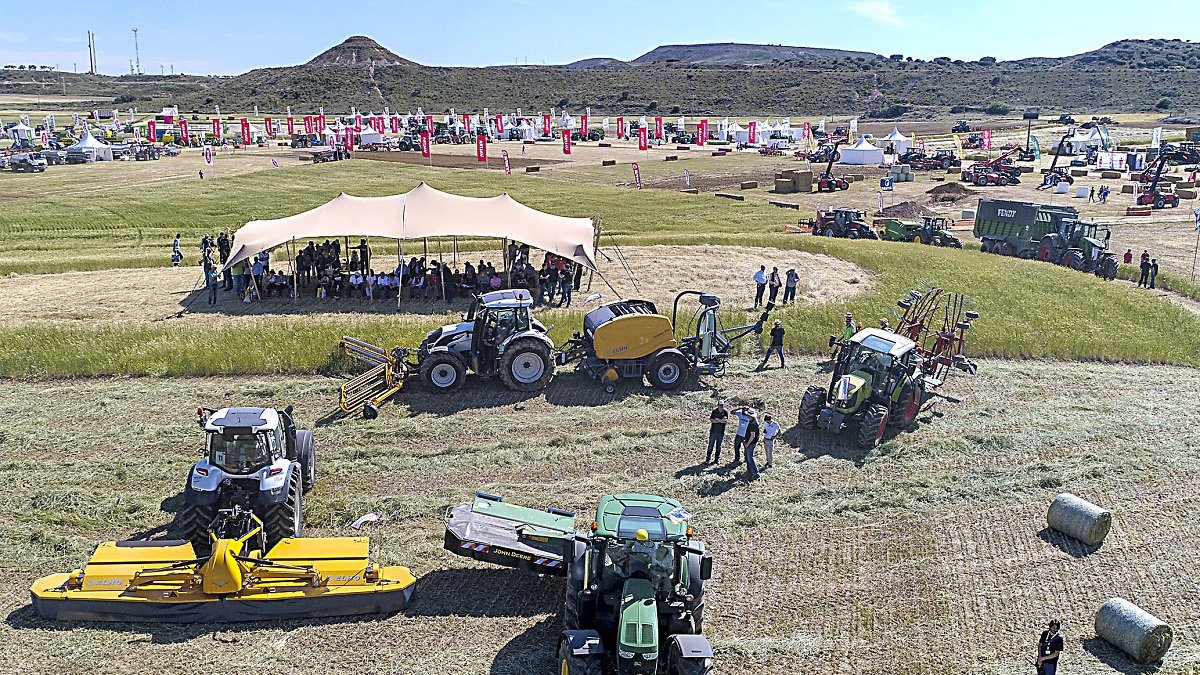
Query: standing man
{"points": [[850, 328], [364, 254], [1144, 280], [211, 275], [176, 252], [789, 288], [716, 432], [776, 345], [1128, 256], [774, 282], [739, 439], [1153, 271], [770, 430], [1050, 645], [752, 435], [760, 278], [1092, 194]]}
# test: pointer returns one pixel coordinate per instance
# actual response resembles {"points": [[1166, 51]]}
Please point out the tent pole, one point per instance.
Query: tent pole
{"points": [[456, 250], [441, 267], [400, 270], [504, 261], [295, 278], [597, 223]]}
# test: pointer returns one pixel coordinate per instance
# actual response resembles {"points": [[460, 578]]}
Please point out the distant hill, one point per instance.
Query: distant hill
{"points": [[735, 54], [601, 62], [358, 50]]}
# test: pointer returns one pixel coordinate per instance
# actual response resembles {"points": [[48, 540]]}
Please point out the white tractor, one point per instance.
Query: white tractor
{"points": [[255, 458]]}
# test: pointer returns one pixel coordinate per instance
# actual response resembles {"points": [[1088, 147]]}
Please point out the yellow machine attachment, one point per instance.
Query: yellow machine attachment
{"points": [[630, 329], [384, 379], [163, 581]]}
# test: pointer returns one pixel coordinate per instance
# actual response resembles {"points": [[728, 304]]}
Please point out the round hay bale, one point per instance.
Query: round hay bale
{"points": [[1133, 630], [1079, 519]]}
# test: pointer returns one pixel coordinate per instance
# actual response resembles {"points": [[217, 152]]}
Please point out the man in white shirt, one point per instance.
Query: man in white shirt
{"points": [[356, 281], [382, 284], [760, 278], [770, 431]]}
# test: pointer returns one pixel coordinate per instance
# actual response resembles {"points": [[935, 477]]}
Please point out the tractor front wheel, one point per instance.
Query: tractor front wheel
{"points": [[874, 423], [569, 664], [1072, 260], [682, 666], [668, 370], [810, 407], [443, 371], [527, 366], [829, 232]]}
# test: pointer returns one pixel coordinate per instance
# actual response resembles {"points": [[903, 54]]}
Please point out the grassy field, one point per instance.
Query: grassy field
{"points": [[835, 556]]}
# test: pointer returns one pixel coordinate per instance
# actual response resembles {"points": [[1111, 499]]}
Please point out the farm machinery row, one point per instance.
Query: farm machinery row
{"points": [[499, 337]]}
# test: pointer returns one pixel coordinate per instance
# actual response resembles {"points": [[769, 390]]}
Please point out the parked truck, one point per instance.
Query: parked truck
{"points": [[1053, 234]]}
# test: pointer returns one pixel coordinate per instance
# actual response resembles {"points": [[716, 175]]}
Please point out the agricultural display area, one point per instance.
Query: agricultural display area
{"points": [[837, 559]]}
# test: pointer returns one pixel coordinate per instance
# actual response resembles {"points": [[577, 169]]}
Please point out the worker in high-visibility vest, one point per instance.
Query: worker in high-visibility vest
{"points": [[850, 328]]}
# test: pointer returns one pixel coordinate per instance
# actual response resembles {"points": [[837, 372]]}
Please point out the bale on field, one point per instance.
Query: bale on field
{"points": [[1133, 630], [1128, 189], [1185, 194], [1110, 175], [1079, 173], [749, 184], [1079, 519]]}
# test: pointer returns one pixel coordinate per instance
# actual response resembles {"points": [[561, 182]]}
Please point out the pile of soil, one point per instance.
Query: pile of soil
{"points": [[950, 192], [909, 209]]}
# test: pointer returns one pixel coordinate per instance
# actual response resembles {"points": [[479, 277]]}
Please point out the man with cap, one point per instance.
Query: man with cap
{"points": [[850, 328], [744, 414], [776, 345], [1050, 645], [716, 432]]}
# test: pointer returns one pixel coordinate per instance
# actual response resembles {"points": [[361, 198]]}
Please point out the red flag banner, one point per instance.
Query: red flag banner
{"points": [[349, 139], [270, 129], [150, 131], [620, 127], [806, 131], [183, 131], [643, 140], [321, 123], [986, 144], [466, 122], [566, 136], [245, 131], [425, 143], [637, 173], [545, 125], [395, 124], [702, 133], [357, 122], [308, 124], [583, 130], [291, 126], [658, 127], [499, 124], [752, 133], [507, 166], [481, 148], [216, 127], [429, 125]]}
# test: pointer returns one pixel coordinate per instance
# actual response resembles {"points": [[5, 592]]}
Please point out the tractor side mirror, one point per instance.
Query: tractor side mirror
{"points": [[288, 410], [705, 568], [832, 341]]}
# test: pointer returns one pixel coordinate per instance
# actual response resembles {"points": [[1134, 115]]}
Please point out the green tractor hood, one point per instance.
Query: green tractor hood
{"points": [[849, 392], [638, 636]]}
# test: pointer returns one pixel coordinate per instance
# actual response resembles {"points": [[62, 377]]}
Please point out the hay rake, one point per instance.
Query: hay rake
{"points": [[937, 321]]}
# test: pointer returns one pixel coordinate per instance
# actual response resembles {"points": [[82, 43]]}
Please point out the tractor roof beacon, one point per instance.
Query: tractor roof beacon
{"points": [[635, 578], [255, 459], [883, 378]]}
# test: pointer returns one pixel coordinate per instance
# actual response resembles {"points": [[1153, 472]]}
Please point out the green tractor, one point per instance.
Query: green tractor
{"points": [[634, 579], [883, 378], [932, 230]]}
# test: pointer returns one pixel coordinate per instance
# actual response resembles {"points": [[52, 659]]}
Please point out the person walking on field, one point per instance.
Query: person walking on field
{"points": [[1144, 280], [1050, 646], [776, 345], [789, 287], [760, 279], [770, 429], [716, 433], [774, 282]]}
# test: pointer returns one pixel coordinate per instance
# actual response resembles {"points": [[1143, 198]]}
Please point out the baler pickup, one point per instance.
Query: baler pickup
{"points": [[490, 530]]}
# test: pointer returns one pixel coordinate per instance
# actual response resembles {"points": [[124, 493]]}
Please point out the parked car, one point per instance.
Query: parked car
{"points": [[29, 162]]}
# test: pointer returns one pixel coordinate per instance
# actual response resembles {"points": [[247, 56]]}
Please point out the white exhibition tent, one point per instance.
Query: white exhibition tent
{"points": [[862, 153], [526, 130], [1079, 141], [20, 131], [95, 150], [369, 135], [898, 141], [419, 213]]}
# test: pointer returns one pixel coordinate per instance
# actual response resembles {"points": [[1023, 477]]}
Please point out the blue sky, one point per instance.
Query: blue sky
{"points": [[219, 37]]}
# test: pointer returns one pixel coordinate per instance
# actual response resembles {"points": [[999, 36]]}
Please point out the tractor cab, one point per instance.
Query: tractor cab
{"points": [[242, 441], [871, 366]]}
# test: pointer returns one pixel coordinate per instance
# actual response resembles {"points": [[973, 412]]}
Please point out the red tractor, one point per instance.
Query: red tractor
{"points": [[941, 159], [1151, 195], [827, 182], [842, 222], [996, 171]]}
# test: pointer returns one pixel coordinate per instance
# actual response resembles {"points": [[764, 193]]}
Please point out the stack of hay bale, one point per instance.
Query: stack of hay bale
{"points": [[901, 173], [792, 180]]}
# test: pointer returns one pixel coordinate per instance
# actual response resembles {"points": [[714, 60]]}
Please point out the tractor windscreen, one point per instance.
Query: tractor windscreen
{"points": [[240, 453], [872, 355]]}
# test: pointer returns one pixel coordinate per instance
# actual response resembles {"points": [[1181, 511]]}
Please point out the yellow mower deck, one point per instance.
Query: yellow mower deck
{"points": [[163, 582]]}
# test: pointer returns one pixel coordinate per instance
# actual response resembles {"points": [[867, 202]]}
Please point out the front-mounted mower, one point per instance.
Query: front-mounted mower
{"points": [[630, 340], [634, 579], [883, 378]]}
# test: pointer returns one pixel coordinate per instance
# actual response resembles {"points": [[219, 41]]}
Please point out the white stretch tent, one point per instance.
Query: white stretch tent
{"points": [[423, 212], [899, 142], [862, 153], [97, 151]]}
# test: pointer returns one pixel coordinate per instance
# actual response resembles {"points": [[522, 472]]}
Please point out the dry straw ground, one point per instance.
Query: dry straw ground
{"points": [[834, 561]]}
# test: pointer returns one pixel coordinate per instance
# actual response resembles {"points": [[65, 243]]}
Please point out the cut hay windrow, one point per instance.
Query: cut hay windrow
{"points": [[1133, 630], [1079, 519]]}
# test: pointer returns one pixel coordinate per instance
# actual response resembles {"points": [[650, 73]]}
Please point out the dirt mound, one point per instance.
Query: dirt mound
{"points": [[909, 209], [950, 192]]}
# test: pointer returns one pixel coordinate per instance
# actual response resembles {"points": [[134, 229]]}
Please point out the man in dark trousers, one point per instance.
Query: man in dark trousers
{"points": [[774, 282], [1050, 645], [760, 282], [716, 432], [1144, 280], [1153, 271], [776, 345]]}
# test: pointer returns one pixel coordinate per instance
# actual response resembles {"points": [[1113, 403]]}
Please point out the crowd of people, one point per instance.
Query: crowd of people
{"points": [[771, 282], [324, 271]]}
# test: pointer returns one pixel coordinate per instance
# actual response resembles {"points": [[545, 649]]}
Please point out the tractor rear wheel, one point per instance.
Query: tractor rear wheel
{"points": [[443, 371], [905, 410], [285, 519], [194, 521], [667, 371], [1002, 181], [810, 407], [569, 664], [306, 454], [1159, 202], [829, 232], [874, 423], [526, 365], [981, 181]]}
